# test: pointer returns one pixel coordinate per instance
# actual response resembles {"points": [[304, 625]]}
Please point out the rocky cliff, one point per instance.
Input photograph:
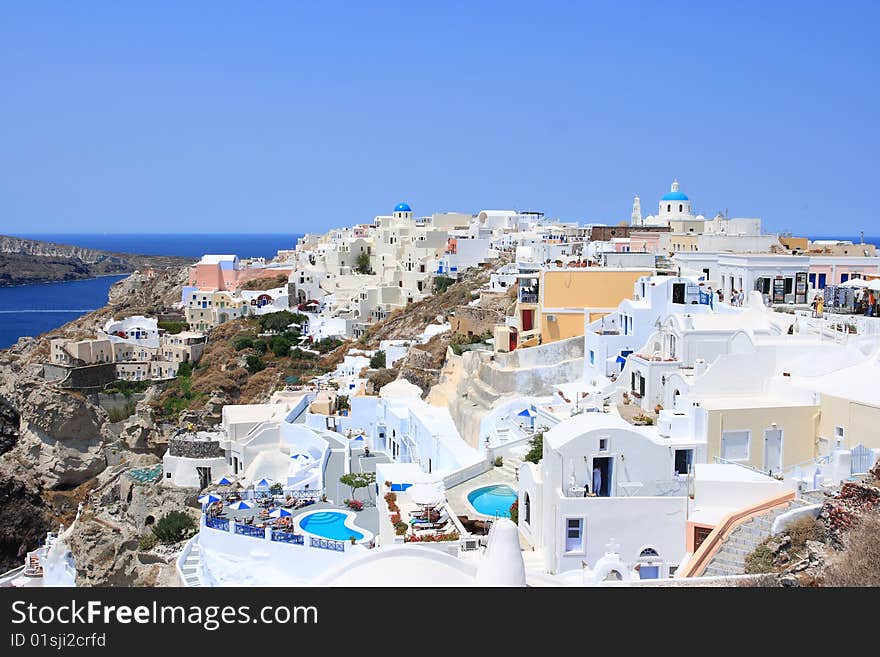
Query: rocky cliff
{"points": [[24, 261], [54, 443]]}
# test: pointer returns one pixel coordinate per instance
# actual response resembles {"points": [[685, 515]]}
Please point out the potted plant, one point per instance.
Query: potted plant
{"points": [[658, 408]]}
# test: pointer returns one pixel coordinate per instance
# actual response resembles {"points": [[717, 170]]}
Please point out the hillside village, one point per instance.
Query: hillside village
{"points": [[670, 401]]}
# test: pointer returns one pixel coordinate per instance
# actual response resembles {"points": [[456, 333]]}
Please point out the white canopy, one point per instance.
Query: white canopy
{"points": [[855, 282], [426, 494], [874, 285]]}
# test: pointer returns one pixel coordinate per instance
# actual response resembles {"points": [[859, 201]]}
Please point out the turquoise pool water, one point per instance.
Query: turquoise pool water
{"points": [[329, 524], [493, 500]]}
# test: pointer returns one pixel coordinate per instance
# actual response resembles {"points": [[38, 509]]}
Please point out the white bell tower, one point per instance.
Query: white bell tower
{"points": [[636, 216]]}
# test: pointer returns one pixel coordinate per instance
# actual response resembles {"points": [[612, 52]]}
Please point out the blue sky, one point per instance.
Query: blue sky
{"points": [[287, 116]]}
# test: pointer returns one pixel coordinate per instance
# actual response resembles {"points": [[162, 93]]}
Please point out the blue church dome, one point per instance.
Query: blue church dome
{"points": [[674, 196], [402, 207]]}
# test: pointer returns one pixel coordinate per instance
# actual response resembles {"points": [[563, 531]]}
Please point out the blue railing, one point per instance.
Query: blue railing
{"points": [[217, 523], [247, 530], [327, 544], [280, 536]]}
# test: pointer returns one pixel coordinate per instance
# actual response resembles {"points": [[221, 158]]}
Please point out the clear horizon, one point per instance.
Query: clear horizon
{"points": [[319, 116]]}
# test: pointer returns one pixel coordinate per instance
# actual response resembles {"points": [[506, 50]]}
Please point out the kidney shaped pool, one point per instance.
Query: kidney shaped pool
{"points": [[329, 524], [493, 500]]}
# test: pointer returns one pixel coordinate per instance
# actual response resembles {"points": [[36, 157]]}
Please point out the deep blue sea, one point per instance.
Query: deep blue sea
{"points": [[34, 309]]}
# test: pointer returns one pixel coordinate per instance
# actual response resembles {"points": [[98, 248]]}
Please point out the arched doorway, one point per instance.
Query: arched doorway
{"points": [[528, 509], [649, 564]]}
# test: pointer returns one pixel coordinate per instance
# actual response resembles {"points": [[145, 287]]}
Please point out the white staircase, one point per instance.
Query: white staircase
{"points": [[510, 465], [189, 568]]}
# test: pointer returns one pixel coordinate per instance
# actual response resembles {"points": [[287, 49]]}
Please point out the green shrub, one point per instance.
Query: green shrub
{"points": [[499, 461], [326, 345], [173, 327], [442, 283], [254, 364], [536, 448], [244, 342], [342, 403], [185, 369], [760, 561], [277, 488], [401, 528], [280, 346], [147, 541], [377, 362], [173, 527], [260, 346]]}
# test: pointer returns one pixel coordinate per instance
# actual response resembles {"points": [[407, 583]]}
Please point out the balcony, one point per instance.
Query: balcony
{"points": [[528, 297]]}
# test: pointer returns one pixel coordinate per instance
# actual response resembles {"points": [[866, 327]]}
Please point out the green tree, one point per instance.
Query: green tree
{"points": [[185, 369], [254, 364], [363, 263], [536, 451], [278, 321], [342, 403], [377, 362], [356, 480], [442, 283], [280, 346]]}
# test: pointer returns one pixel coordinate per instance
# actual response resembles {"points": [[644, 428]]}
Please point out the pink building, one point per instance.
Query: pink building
{"points": [[834, 270], [645, 242], [223, 272]]}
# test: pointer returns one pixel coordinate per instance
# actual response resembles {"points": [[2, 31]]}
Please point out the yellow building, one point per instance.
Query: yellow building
{"points": [[766, 436], [566, 295]]}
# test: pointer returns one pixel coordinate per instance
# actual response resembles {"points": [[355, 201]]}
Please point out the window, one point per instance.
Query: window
{"points": [[681, 208], [603, 444], [844, 278], [592, 357], [684, 460], [574, 534], [789, 285], [669, 207], [812, 279], [822, 278], [527, 516], [735, 445]]}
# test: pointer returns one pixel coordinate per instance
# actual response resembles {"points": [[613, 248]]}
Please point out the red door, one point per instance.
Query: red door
{"points": [[527, 316], [512, 343]]}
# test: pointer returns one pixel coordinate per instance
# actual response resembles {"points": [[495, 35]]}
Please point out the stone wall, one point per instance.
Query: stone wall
{"points": [[89, 376], [194, 449], [470, 320]]}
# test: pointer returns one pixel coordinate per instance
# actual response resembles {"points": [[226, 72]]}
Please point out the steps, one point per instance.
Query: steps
{"points": [[190, 566], [510, 466], [730, 559]]}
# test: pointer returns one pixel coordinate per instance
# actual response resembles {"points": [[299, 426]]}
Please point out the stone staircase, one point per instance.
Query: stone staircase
{"points": [[730, 559], [190, 566]]}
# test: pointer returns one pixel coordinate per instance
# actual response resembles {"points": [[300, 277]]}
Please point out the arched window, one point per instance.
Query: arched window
{"points": [[680, 207], [528, 510], [669, 207], [649, 564]]}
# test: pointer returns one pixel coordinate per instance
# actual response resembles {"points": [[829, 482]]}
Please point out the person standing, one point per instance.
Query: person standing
{"points": [[820, 306], [872, 300], [597, 480]]}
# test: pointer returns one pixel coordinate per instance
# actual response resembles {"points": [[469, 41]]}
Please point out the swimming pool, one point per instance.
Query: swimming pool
{"points": [[493, 500], [329, 524]]}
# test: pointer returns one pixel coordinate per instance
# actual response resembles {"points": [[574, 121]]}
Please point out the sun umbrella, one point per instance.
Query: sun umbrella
{"points": [[528, 412], [874, 285], [263, 483], [855, 282], [210, 498], [425, 494], [225, 481], [280, 513], [241, 505]]}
